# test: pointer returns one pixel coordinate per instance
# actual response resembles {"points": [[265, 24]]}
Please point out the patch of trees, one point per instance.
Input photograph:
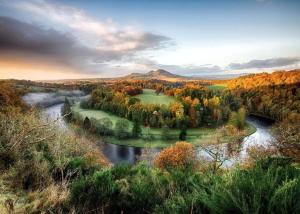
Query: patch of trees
{"points": [[275, 95], [195, 107], [278, 102], [130, 90], [265, 79]]}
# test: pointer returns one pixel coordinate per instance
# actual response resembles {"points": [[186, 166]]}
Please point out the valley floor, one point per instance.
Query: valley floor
{"points": [[196, 136]]}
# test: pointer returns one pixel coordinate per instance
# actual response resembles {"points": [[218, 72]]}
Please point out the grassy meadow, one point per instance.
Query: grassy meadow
{"points": [[217, 87], [150, 97]]}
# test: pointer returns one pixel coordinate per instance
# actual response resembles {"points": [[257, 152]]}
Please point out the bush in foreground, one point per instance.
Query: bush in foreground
{"points": [[181, 155], [271, 186]]}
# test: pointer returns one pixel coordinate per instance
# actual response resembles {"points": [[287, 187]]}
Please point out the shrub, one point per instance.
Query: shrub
{"points": [[94, 192], [272, 186], [181, 155]]}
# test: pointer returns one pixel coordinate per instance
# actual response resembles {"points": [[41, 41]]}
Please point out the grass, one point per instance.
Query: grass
{"points": [[96, 114], [196, 136], [149, 97], [216, 87]]}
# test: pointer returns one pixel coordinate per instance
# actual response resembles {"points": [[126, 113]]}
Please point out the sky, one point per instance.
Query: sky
{"points": [[51, 39]]}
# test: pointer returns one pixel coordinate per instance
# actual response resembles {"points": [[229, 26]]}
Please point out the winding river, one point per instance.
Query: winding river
{"points": [[130, 155]]}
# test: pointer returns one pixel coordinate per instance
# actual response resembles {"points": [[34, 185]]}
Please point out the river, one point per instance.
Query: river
{"points": [[232, 152]]}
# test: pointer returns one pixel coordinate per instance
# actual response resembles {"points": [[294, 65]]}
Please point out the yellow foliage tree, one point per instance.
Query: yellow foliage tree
{"points": [[181, 155]]}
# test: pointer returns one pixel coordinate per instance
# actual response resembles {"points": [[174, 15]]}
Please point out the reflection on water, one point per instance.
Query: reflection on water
{"points": [[121, 154], [262, 136], [130, 155], [234, 152]]}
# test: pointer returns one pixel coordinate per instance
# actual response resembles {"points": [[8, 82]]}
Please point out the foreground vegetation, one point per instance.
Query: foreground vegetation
{"points": [[46, 172]]}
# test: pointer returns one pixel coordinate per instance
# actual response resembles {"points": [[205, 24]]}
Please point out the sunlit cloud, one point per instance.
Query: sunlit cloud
{"points": [[107, 34], [86, 44]]}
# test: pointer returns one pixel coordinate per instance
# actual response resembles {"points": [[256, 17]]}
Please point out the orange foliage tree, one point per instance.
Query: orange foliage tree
{"points": [[180, 156]]}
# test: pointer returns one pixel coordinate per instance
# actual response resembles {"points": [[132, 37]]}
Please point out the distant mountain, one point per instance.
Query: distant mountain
{"points": [[159, 74]]}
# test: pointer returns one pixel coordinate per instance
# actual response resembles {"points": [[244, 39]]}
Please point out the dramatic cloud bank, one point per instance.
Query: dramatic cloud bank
{"points": [[79, 42], [266, 63]]}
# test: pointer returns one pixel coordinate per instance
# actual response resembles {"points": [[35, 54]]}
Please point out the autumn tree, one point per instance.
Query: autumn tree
{"points": [[180, 156]]}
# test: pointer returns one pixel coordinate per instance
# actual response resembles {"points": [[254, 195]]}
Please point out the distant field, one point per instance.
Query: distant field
{"points": [[217, 87], [195, 136], [96, 114], [149, 97]]}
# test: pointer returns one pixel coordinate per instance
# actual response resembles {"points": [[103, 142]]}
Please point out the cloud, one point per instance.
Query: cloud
{"points": [[72, 38], [105, 35], [26, 41], [265, 63], [31, 42]]}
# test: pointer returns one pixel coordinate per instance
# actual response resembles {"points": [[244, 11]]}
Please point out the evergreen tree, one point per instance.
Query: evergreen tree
{"points": [[66, 110], [182, 134], [87, 123], [136, 129]]}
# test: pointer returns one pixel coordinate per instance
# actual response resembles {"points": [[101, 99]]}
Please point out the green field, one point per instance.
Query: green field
{"points": [[216, 87], [149, 97], [96, 114], [195, 136]]}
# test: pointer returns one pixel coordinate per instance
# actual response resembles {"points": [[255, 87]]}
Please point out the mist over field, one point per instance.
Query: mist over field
{"points": [[44, 99]]}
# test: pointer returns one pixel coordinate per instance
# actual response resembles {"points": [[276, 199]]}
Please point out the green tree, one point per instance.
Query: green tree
{"points": [[165, 133], [241, 114], [104, 126], [121, 129], [238, 119], [136, 129]]}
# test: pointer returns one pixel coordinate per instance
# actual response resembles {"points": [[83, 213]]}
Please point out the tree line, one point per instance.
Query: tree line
{"points": [[195, 106]]}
